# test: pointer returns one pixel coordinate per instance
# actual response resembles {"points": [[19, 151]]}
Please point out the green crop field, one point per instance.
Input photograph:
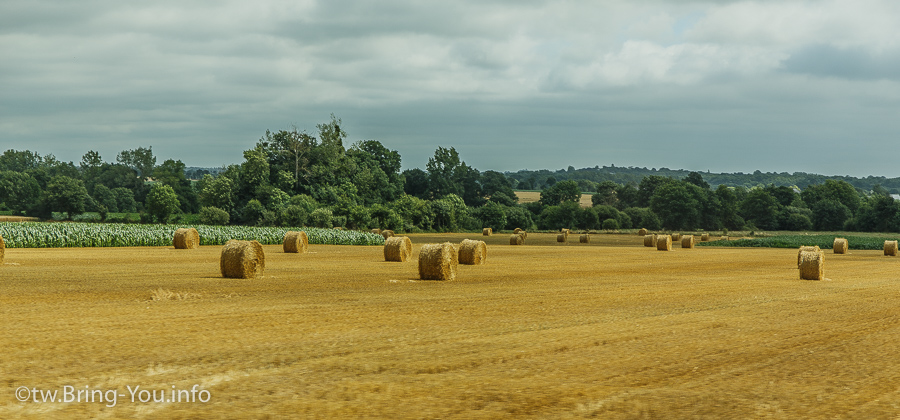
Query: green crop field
{"points": [[66, 235]]}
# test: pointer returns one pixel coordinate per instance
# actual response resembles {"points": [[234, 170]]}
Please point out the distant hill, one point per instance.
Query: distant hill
{"points": [[536, 180]]}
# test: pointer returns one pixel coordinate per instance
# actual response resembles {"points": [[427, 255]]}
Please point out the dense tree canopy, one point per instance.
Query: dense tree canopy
{"points": [[295, 178]]}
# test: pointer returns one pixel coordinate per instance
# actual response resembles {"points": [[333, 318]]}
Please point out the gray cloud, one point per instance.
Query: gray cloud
{"points": [[849, 63], [724, 86]]}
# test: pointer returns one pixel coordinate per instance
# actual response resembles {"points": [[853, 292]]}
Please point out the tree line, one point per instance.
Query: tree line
{"points": [[297, 178], [588, 178]]}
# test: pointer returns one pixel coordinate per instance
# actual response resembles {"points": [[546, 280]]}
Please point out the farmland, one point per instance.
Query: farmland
{"points": [[61, 235], [532, 196], [609, 329]]}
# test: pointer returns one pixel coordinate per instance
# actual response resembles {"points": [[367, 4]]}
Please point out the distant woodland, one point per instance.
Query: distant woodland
{"points": [[300, 178]]}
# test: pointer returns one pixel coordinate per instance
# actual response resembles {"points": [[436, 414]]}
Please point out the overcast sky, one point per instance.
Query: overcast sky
{"points": [[725, 86]]}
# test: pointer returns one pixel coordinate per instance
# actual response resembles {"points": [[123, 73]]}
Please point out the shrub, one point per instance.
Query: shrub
{"points": [[252, 212], [518, 217], [610, 224], [293, 215], [213, 216], [321, 218]]}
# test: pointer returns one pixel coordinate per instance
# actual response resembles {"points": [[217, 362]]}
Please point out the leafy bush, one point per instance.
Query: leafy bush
{"points": [[518, 217], [213, 216], [321, 218]]}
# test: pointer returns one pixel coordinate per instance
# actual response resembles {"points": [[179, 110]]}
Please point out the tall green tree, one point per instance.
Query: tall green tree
{"points": [[648, 187], [729, 208], [830, 214], [560, 192], [678, 205], [839, 191], [19, 191], [162, 203], [171, 173], [442, 168], [140, 159], [498, 188], [416, 183], [760, 208], [606, 194], [66, 194]]}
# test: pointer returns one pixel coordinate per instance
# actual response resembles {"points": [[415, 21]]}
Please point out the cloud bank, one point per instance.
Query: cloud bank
{"points": [[715, 85]]}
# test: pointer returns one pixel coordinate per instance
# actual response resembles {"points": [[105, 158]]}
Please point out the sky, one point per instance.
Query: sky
{"points": [[720, 86]]}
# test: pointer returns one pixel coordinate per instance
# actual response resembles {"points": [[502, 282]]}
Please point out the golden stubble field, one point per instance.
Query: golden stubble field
{"points": [[605, 330]]}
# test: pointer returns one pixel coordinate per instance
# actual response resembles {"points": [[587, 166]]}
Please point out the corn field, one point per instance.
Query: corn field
{"points": [[68, 235]]}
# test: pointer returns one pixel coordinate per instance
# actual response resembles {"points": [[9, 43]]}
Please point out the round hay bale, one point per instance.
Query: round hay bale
{"points": [[723, 238], [295, 242], [2, 249], [387, 233], [487, 231], [806, 249], [516, 239], [561, 237], [643, 232], [704, 237], [376, 231], [840, 246], [438, 261], [186, 239], [687, 241], [664, 243], [890, 248], [676, 237], [397, 248], [472, 252], [585, 239], [812, 265], [649, 240], [242, 260], [517, 230], [524, 234]]}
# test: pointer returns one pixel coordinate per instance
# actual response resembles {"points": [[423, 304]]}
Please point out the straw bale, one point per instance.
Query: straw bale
{"points": [[438, 261], [676, 237], [516, 239], [650, 240], [812, 265], [664, 243], [687, 241], [295, 242], [376, 231], [397, 248], [840, 246], [517, 230], [643, 232], [890, 248], [487, 231], [472, 252], [561, 237], [704, 237], [242, 259], [585, 239], [186, 238], [387, 233], [806, 249]]}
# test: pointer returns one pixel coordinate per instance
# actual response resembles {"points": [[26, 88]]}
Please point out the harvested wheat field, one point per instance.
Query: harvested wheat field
{"points": [[607, 329]]}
